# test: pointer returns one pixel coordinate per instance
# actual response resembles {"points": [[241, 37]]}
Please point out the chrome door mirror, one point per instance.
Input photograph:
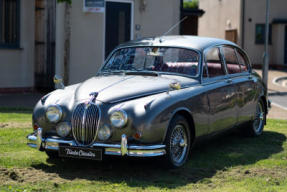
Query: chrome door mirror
{"points": [[58, 80], [175, 86]]}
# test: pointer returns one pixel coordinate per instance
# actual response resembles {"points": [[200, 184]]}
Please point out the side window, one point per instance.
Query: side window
{"points": [[213, 62], [242, 60], [231, 60]]}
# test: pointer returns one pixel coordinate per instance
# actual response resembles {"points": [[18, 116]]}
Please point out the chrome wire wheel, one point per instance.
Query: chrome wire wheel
{"points": [[258, 122], [178, 144]]}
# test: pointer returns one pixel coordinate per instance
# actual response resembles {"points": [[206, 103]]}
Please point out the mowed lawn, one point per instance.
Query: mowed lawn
{"points": [[227, 163]]}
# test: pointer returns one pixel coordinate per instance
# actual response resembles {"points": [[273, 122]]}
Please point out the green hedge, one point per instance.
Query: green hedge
{"points": [[190, 5]]}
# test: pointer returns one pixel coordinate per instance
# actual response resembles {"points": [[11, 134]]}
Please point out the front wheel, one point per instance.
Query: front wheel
{"points": [[178, 141]]}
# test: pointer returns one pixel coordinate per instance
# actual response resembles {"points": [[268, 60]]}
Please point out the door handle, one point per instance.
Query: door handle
{"points": [[228, 80]]}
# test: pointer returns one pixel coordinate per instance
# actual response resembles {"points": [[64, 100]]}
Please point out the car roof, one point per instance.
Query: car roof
{"points": [[193, 42]]}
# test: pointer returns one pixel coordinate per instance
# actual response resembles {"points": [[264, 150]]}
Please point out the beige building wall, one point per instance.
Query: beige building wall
{"points": [[88, 33], [220, 15], [17, 65], [87, 43], [159, 16], [278, 42], [255, 14]]}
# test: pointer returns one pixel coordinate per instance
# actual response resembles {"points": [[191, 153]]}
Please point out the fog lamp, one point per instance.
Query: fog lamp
{"points": [[104, 133], [63, 129]]}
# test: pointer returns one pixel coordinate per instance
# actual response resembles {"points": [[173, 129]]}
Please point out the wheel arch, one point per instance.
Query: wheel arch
{"points": [[263, 98], [186, 113]]}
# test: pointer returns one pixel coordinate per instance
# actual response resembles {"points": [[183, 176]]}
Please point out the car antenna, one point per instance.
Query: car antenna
{"points": [[172, 28]]}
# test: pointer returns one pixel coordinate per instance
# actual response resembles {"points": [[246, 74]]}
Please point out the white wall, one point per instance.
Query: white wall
{"points": [[88, 35], [17, 65]]}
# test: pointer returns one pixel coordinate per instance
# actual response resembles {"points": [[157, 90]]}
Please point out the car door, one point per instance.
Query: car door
{"points": [[220, 91], [234, 75], [246, 89]]}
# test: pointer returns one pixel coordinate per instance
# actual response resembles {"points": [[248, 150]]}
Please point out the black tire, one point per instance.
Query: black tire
{"points": [[52, 154], [255, 127], [178, 142]]}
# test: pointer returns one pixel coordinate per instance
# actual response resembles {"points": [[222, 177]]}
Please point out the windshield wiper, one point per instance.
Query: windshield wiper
{"points": [[140, 72], [110, 71]]}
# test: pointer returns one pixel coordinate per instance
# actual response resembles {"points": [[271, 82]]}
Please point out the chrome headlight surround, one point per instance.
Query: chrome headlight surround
{"points": [[54, 113], [64, 129], [119, 118]]}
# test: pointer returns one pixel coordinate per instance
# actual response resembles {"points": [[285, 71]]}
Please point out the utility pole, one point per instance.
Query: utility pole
{"points": [[266, 53]]}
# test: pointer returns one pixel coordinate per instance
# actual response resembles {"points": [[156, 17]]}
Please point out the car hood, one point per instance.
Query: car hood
{"points": [[115, 88]]}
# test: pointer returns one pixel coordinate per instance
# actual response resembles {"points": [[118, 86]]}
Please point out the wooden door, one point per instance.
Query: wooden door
{"points": [[45, 19]]}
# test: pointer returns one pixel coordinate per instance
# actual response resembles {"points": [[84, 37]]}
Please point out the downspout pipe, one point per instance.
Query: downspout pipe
{"points": [[242, 23]]}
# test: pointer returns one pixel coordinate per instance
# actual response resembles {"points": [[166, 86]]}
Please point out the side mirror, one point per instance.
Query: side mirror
{"points": [[58, 80], [175, 86]]}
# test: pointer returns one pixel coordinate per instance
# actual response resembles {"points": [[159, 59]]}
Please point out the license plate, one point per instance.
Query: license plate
{"points": [[79, 152]]}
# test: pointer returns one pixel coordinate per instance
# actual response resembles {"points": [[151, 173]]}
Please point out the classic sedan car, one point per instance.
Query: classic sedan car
{"points": [[153, 97]]}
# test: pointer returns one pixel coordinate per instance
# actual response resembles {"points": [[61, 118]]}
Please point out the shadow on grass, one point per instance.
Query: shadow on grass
{"points": [[16, 110], [214, 155]]}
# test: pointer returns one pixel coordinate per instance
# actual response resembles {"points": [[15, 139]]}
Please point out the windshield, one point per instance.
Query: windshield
{"points": [[157, 59]]}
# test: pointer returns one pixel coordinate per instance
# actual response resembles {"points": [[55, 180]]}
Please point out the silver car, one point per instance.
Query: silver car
{"points": [[153, 97]]}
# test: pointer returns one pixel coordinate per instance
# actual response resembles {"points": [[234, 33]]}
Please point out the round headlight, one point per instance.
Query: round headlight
{"points": [[54, 113], [63, 129], [119, 118], [104, 133]]}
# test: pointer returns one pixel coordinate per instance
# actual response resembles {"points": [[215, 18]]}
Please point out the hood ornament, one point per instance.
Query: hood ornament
{"points": [[93, 96]]}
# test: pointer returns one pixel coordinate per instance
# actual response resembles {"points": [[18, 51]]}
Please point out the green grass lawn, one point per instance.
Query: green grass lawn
{"points": [[228, 163]]}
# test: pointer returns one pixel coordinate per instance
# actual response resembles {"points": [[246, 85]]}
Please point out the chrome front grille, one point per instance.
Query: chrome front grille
{"points": [[85, 122]]}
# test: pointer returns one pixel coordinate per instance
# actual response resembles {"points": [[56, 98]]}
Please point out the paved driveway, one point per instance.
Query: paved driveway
{"points": [[277, 95], [279, 99]]}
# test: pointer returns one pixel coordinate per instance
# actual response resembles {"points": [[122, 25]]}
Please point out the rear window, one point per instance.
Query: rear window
{"points": [[242, 60]]}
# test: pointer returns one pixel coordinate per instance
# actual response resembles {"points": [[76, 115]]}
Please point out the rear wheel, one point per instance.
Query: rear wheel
{"points": [[177, 142], [256, 127]]}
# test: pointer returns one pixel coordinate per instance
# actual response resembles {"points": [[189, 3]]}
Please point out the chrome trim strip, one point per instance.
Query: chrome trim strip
{"points": [[32, 138], [51, 148], [51, 140], [150, 147], [32, 145], [136, 153]]}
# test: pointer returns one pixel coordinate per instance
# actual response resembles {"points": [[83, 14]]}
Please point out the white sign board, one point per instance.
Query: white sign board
{"points": [[94, 6]]}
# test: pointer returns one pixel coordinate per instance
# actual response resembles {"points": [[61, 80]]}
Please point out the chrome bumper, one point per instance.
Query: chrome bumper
{"points": [[122, 149]]}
